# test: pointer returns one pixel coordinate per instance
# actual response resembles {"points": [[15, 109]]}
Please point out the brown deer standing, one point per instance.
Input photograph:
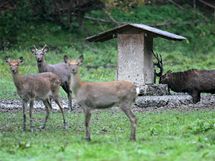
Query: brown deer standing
{"points": [[38, 86], [60, 70], [101, 95]]}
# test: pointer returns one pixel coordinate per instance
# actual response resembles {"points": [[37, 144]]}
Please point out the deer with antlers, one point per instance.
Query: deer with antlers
{"points": [[38, 86], [59, 69], [191, 81]]}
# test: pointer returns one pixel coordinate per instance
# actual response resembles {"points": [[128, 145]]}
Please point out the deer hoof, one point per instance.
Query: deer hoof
{"points": [[32, 130], [88, 139], [132, 139], [42, 127], [66, 126], [71, 110]]}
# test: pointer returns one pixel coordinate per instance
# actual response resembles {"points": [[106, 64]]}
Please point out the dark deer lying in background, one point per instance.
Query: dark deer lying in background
{"points": [[38, 86], [191, 81], [60, 70], [101, 95]]}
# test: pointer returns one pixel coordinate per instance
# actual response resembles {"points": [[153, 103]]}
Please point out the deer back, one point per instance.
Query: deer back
{"points": [[201, 80], [106, 94], [40, 85]]}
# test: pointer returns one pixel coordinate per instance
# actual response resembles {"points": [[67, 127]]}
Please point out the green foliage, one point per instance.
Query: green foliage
{"points": [[196, 52], [201, 126], [122, 4], [12, 21], [192, 25], [7, 30], [160, 136]]}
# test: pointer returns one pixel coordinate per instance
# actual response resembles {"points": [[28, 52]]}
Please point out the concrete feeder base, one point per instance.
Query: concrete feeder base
{"points": [[154, 90], [161, 101]]}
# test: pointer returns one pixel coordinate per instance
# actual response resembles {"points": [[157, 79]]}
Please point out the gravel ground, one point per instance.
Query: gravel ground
{"points": [[180, 102]]}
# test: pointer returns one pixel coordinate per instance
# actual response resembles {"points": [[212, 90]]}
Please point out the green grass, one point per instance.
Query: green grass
{"points": [[169, 135]]}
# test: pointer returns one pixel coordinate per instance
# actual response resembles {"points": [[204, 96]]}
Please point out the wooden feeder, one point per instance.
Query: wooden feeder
{"points": [[135, 50]]}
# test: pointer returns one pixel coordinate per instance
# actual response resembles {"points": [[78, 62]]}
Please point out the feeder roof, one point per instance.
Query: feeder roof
{"points": [[112, 33]]}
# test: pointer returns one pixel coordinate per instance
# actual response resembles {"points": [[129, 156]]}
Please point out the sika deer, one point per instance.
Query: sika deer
{"points": [[60, 70], [193, 81], [101, 95], [38, 86]]}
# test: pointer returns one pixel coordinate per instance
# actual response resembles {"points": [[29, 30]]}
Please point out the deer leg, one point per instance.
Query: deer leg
{"points": [[61, 110], [196, 96], [47, 106], [87, 123], [133, 121], [67, 89], [30, 115], [24, 106], [69, 95], [50, 104], [49, 100], [154, 76]]}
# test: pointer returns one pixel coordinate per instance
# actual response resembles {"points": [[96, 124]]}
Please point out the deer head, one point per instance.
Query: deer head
{"points": [[165, 78], [73, 65], [14, 64], [39, 53]]}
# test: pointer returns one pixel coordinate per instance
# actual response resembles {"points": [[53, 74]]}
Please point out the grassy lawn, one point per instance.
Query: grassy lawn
{"points": [[168, 135]]}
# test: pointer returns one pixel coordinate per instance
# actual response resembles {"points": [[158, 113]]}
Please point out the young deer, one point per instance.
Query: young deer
{"points": [[101, 95], [60, 70], [38, 86]]}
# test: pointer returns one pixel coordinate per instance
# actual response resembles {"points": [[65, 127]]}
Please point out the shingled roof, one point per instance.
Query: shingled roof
{"points": [[110, 34]]}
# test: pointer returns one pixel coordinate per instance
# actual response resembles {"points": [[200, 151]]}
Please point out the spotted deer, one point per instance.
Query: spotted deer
{"points": [[37, 86], [59, 69], [101, 95]]}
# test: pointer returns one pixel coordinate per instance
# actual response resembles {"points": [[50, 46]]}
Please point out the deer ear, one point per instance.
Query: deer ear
{"points": [[7, 59], [45, 50], [21, 60], [33, 50], [65, 58], [80, 59]]}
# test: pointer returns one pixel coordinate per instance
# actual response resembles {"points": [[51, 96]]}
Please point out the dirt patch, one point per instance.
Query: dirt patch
{"points": [[180, 102], [15, 105]]}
